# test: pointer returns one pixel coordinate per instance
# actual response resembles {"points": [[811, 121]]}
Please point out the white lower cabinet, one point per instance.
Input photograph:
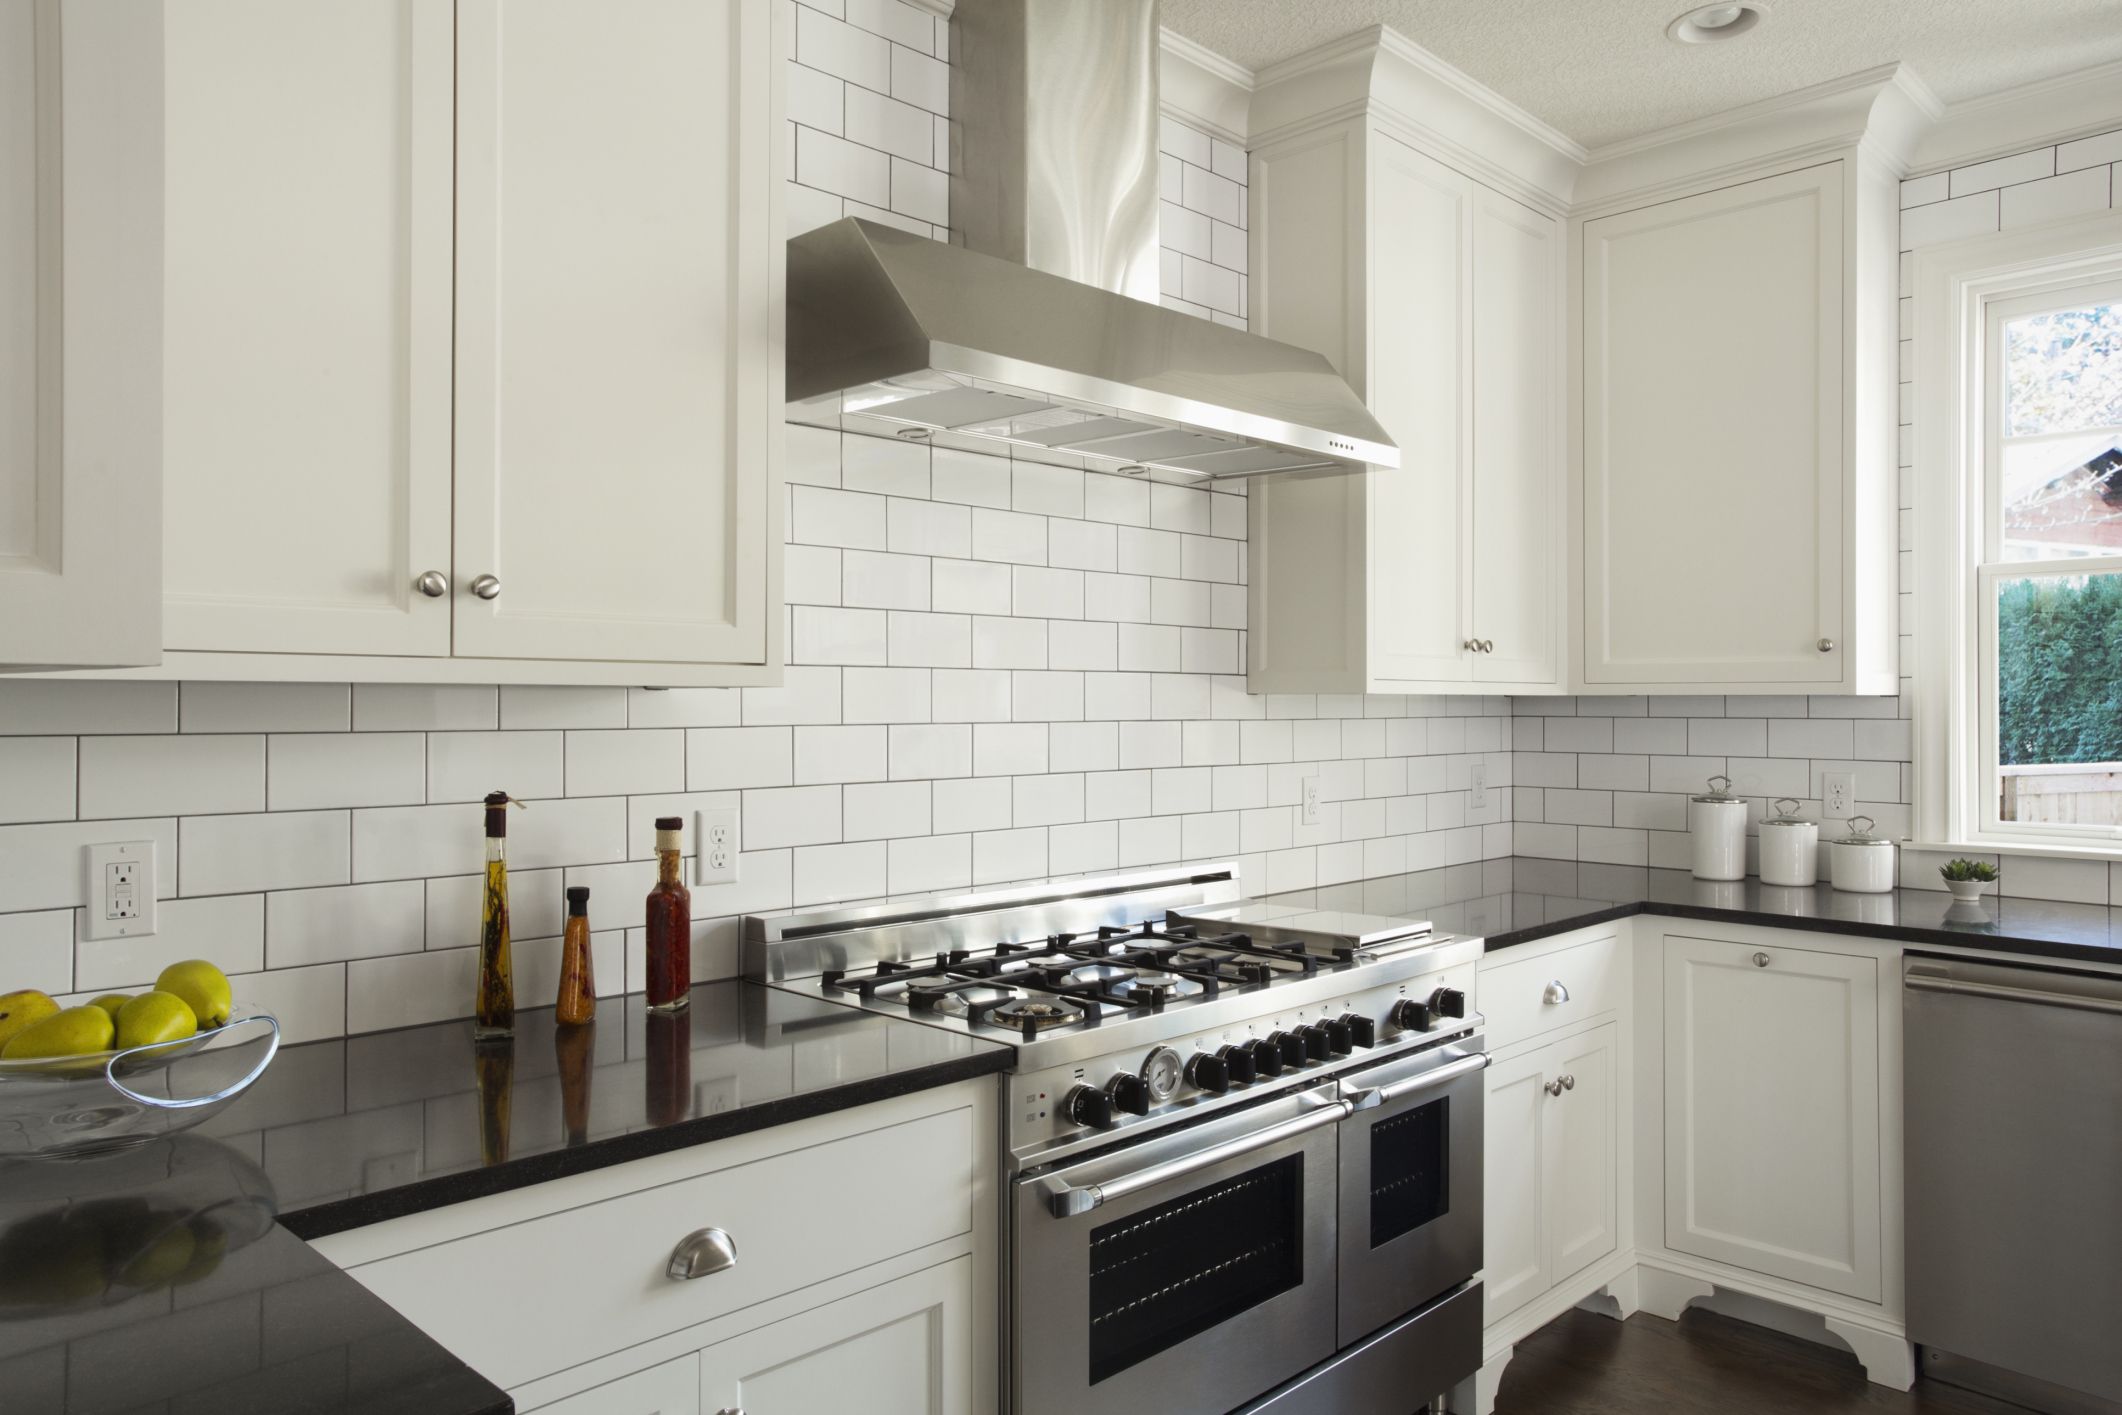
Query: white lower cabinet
{"points": [[1551, 1195], [1772, 1125], [672, 1388]]}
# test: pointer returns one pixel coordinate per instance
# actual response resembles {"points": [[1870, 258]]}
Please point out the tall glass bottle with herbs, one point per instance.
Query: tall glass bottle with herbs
{"points": [[495, 1013], [670, 923]]}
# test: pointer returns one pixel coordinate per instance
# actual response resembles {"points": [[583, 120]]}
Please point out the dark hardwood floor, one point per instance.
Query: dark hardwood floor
{"points": [[1582, 1364]]}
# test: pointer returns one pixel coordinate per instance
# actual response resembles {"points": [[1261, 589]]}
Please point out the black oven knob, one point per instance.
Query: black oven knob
{"points": [[1208, 1072], [1290, 1045], [1410, 1015], [1238, 1063], [1338, 1039], [1129, 1093], [1448, 1002], [1361, 1030], [1267, 1056], [1087, 1105], [1316, 1045]]}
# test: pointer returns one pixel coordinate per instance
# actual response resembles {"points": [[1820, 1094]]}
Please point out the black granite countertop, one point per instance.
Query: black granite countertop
{"points": [[1516, 900], [174, 1278]]}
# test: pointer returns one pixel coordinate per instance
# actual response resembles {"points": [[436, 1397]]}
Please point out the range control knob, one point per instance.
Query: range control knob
{"points": [[1361, 1030], [1267, 1056], [1338, 1039], [1208, 1072], [1316, 1045], [1239, 1063], [1410, 1015], [1087, 1105], [1290, 1045], [1448, 1002], [1129, 1093]]}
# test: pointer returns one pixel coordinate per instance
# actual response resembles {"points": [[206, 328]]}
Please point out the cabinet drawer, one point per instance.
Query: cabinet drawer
{"points": [[1515, 996], [527, 1299]]}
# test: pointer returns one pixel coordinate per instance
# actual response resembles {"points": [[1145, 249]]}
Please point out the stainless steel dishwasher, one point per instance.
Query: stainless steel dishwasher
{"points": [[2013, 1114]]}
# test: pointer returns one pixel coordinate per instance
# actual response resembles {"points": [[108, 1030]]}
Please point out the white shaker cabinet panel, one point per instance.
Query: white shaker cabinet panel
{"points": [[80, 333], [672, 1388], [618, 305], [1772, 1095], [1581, 1206], [1516, 1260], [1716, 473], [307, 436]]}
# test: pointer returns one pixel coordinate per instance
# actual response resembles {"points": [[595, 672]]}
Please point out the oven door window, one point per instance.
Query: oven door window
{"points": [[1410, 1171], [1166, 1274]]}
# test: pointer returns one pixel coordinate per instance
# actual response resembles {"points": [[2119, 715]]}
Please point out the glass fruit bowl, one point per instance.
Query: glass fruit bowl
{"points": [[109, 1100]]}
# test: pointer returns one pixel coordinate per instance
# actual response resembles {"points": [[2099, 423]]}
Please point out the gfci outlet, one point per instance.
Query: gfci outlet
{"points": [[717, 832], [1310, 808], [1838, 794], [120, 890], [1477, 787]]}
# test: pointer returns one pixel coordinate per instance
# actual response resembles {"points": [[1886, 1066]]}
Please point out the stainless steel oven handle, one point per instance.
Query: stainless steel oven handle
{"points": [[1067, 1200], [1383, 1095]]}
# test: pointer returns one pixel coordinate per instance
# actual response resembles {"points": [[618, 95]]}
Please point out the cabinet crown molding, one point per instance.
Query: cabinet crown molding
{"points": [[1380, 72], [1204, 90], [2020, 119]]}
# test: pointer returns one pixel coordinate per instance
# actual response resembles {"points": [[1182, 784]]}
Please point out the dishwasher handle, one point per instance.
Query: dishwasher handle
{"points": [[2040, 997]]}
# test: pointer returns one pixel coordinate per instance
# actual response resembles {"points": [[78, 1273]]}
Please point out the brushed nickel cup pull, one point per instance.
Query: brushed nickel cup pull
{"points": [[1827, 645], [1554, 993], [487, 587], [702, 1253], [434, 584], [1760, 960]]}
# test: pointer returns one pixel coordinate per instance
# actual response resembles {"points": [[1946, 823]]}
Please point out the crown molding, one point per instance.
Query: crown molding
{"points": [[2021, 119], [1202, 89], [940, 8]]}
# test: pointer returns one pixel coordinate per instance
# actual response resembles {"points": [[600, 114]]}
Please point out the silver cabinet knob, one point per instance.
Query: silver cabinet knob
{"points": [[702, 1253], [1553, 1088], [1554, 993], [1827, 646], [731, 1410], [1760, 960], [1569, 1083], [1488, 646], [1472, 646], [434, 584], [487, 587]]}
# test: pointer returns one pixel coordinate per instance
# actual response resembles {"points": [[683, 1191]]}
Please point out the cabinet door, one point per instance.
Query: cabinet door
{"points": [[80, 334], [308, 415], [1580, 1195], [1518, 458], [1420, 271], [1713, 436], [1772, 1111], [905, 1347], [1515, 1135], [618, 308], [672, 1388]]}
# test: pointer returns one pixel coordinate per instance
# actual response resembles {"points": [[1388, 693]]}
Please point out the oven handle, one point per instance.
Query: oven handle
{"points": [[1066, 1200], [1384, 1095]]}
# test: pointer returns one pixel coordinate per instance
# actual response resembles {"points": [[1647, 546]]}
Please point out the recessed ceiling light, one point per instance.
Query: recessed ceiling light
{"points": [[1711, 23]]}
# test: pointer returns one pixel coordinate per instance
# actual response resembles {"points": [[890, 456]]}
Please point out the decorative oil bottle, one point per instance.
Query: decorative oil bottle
{"points": [[577, 1002], [670, 924], [495, 1014]]}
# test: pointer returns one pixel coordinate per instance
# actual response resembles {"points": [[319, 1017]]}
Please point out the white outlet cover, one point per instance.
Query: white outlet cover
{"points": [[716, 830], [1309, 811], [119, 890], [1838, 794]]}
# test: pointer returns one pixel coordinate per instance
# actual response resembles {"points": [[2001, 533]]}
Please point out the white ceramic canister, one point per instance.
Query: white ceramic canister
{"points": [[1861, 862], [1790, 848], [1717, 823]]}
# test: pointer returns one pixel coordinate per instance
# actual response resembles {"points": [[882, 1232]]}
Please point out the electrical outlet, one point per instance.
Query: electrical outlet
{"points": [[716, 830], [1477, 787], [1309, 811], [1838, 794], [121, 890]]}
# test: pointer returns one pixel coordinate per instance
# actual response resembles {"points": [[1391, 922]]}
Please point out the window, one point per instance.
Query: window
{"points": [[2019, 539]]}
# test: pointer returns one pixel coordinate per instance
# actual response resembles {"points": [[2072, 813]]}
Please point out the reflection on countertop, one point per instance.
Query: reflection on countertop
{"points": [[1516, 900], [365, 1128]]}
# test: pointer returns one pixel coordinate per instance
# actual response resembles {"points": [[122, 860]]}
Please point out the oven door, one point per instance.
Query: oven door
{"points": [[1410, 1184], [1191, 1271]]}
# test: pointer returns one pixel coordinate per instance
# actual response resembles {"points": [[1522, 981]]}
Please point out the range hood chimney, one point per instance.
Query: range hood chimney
{"points": [[1042, 331]]}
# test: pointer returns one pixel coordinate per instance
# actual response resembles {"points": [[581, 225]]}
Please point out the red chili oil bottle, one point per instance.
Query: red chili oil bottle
{"points": [[670, 924]]}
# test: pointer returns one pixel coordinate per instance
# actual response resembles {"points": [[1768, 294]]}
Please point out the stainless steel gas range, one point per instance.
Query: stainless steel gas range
{"points": [[1241, 1144]]}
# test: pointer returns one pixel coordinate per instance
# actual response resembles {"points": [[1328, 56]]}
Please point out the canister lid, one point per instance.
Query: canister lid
{"points": [[1721, 795], [1861, 834], [1786, 813]]}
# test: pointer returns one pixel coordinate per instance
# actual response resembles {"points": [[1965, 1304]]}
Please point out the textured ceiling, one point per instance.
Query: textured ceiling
{"points": [[1603, 70]]}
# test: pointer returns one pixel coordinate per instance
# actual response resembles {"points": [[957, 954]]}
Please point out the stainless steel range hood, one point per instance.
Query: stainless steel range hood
{"points": [[1027, 335]]}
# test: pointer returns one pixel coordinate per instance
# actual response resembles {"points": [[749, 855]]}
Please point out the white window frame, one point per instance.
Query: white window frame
{"points": [[1954, 286]]}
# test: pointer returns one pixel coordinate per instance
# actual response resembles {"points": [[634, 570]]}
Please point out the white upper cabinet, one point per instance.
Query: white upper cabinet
{"points": [[80, 333], [465, 389], [1431, 277], [1738, 434]]}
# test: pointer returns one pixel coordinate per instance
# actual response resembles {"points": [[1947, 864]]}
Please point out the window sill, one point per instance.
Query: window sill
{"points": [[2088, 851]]}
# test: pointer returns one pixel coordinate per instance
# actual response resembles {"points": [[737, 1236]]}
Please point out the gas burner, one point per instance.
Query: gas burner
{"points": [[1035, 1015], [957, 999], [1101, 973], [1157, 987]]}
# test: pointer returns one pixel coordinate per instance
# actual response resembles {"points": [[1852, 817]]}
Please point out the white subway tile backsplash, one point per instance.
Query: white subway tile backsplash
{"points": [[309, 926], [1008, 643], [730, 758], [1011, 536], [265, 707], [466, 766], [824, 516], [42, 866], [872, 580], [2054, 197], [683, 707], [842, 50], [970, 478], [549, 708], [1005, 856], [885, 810], [1949, 220], [630, 763], [1009, 748], [1810, 737], [839, 874], [807, 694], [976, 695], [416, 707], [36, 779], [920, 80], [171, 775], [829, 754], [970, 804], [227, 930], [283, 850], [33, 707], [2003, 171], [799, 815], [307, 771], [921, 864], [535, 907], [37, 950]]}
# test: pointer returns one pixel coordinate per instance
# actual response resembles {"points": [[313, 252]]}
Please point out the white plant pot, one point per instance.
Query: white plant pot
{"points": [[1967, 890]]}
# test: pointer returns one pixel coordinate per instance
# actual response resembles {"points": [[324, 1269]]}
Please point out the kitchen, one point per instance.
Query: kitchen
{"points": [[1258, 828]]}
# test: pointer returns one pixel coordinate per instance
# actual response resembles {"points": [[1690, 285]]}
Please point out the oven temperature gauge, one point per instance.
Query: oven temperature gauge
{"points": [[1161, 1071]]}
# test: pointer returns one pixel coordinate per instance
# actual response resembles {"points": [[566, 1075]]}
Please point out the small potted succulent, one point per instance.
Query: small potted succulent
{"points": [[1966, 878]]}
